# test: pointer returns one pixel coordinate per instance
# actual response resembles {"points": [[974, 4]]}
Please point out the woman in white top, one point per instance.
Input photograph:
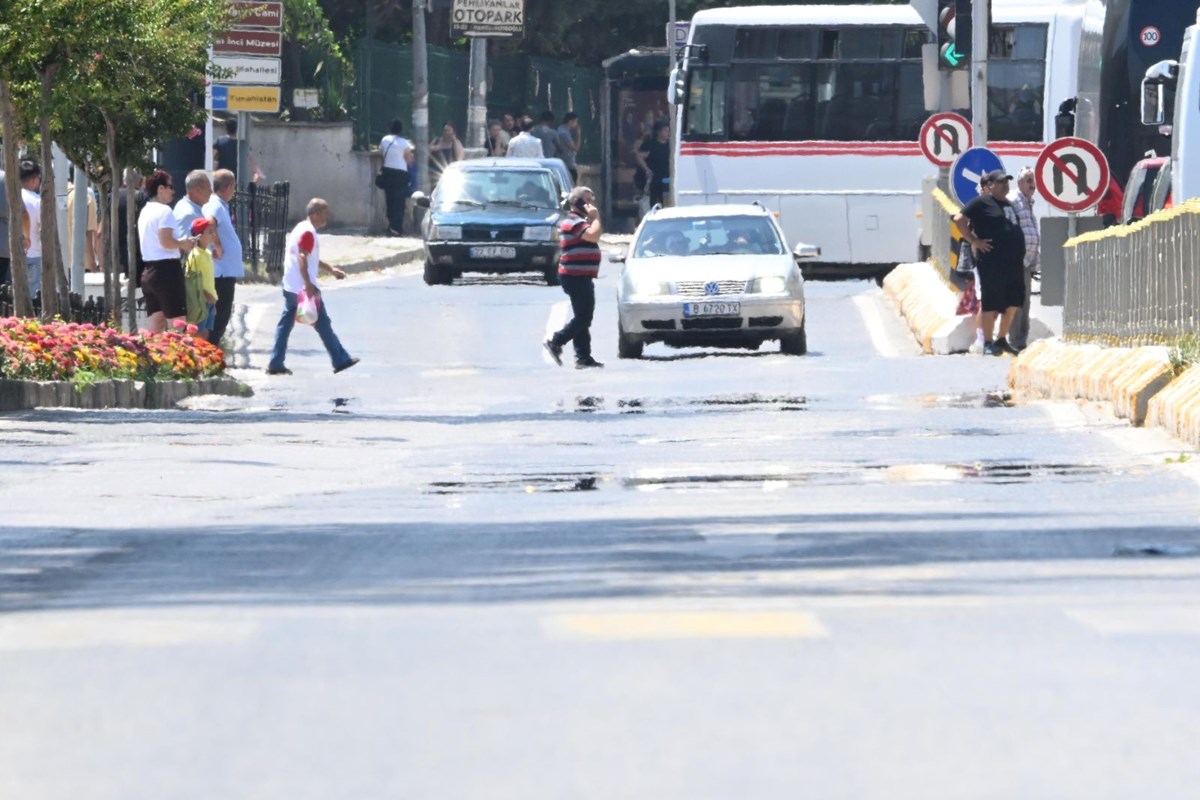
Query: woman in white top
{"points": [[162, 277], [397, 158]]}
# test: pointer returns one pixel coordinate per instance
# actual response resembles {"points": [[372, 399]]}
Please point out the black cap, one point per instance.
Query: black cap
{"points": [[996, 175]]}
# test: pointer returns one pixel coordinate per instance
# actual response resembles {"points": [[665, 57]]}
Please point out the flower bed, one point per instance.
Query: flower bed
{"points": [[67, 351]]}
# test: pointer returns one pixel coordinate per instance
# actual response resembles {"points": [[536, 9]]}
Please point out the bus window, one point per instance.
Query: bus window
{"points": [[1016, 83], [756, 44], [706, 102], [772, 104]]}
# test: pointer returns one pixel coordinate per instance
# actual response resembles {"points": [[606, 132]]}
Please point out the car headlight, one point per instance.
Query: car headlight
{"points": [[540, 233], [445, 232], [771, 284], [650, 288]]}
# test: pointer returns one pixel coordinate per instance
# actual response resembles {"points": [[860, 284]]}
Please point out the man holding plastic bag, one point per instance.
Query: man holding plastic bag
{"points": [[302, 300]]}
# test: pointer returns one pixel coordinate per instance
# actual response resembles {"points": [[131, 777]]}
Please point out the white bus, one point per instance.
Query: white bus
{"points": [[814, 112]]}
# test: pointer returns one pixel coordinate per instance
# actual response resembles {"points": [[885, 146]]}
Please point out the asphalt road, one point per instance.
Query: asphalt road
{"points": [[458, 571]]}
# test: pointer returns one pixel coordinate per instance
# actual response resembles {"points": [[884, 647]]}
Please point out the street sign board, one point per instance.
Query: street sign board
{"points": [[238, 42], [488, 17], [245, 98], [1072, 174], [248, 70], [968, 168], [253, 13], [944, 137], [678, 38]]}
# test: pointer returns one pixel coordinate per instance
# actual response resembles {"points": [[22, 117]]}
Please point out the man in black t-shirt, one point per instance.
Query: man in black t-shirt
{"points": [[654, 156], [989, 224]]}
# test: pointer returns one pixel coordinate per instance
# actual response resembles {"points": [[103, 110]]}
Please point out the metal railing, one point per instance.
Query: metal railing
{"points": [[82, 311], [260, 215], [1135, 284]]}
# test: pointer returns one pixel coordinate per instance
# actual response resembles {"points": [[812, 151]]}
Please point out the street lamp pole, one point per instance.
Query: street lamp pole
{"points": [[421, 96], [674, 118]]}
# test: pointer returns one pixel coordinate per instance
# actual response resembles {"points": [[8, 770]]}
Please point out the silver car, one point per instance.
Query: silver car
{"points": [[716, 276]]}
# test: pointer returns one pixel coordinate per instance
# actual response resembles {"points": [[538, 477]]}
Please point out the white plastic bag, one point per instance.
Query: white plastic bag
{"points": [[307, 309]]}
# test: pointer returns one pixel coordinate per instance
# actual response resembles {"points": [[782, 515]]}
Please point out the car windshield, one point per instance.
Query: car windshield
{"points": [[708, 237], [476, 187]]}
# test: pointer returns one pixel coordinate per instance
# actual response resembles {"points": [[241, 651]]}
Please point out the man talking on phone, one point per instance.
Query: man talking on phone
{"points": [[578, 267]]}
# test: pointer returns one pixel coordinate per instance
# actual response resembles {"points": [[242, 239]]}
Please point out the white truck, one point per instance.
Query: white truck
{"points": [[1178, 81]]}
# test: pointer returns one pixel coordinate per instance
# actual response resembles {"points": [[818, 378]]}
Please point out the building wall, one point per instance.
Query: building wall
{"points": [[318, 159]]}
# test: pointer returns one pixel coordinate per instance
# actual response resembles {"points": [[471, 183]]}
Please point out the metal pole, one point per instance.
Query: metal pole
{"points": [[677, 111], [421, 95], [243, 151], [477, 107], [79, 230], [981, 16], [208, 123]]}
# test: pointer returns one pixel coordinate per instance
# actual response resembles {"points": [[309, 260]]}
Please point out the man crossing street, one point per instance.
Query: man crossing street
{"points": [[578, 267]]}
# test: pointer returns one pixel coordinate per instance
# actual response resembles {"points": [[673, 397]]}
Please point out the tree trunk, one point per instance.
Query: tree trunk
{"points": [[52, 274], [131, 182], [22, 303], [112, 278]]}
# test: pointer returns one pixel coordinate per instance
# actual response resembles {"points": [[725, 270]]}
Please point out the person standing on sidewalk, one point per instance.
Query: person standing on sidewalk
{"points": [[190, 207], [227, 253], [525, 144], [654, 156], [300, 273], [568, 142], [31, 185], [397, 159], [1022, 201], [989, 223], [578, 269]]}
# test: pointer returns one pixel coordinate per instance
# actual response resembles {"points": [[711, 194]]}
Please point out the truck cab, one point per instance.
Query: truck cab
{"points": [[1178, 81]]}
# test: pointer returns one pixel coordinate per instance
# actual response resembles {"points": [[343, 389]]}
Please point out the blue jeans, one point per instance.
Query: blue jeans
{"points": [[582, 291], [324, 326], [33, 268]]}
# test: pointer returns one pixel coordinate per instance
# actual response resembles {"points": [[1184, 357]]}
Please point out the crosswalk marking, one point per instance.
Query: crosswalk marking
{"points": [[687, 625]]}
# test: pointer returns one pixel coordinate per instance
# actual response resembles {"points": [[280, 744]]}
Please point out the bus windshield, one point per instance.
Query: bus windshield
{"points": [[732, 235]]}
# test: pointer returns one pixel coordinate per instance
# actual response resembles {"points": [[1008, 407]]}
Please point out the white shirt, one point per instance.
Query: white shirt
{"points": [[292, 280], [393, 149], [525, 145], [33, 205], [155, 217]]}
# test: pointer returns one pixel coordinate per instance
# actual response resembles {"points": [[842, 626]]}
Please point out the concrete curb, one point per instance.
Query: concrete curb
{"points": [[25, 395], [1176, 408], [1128, 378], [395, 259], [927, 304]]}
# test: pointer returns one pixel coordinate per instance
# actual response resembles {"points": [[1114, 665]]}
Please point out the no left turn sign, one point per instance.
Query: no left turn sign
{"points": [[944, 137], [1072, 174]]}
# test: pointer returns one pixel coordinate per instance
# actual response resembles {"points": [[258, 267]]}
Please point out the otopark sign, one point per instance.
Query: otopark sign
{"points": [[1072, 174], [944, 137], [488, 17]]}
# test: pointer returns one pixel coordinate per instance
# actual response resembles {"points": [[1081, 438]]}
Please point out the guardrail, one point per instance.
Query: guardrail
{"points": [[259, 215], [1135, 284], [91, 310]]}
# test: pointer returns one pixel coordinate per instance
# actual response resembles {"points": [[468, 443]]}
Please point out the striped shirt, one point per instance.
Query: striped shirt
{"points": [[579, 256], [1029, 227]]}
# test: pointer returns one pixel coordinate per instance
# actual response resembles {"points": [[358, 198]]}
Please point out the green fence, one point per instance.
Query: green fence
{"points": [[383, 90]]}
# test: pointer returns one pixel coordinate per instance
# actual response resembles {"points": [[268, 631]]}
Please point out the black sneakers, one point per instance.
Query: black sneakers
{"points": [[280, 371], [555, 350], [992, 349], [588, 363], [345, 366], [1008, 347]]}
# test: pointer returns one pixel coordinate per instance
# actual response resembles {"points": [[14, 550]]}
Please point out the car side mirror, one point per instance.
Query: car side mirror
{"points": [[420, 199], [803, 251], [617, 258]]}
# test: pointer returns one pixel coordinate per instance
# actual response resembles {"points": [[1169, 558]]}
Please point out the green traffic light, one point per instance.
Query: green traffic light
{"points": [[951, 55]]}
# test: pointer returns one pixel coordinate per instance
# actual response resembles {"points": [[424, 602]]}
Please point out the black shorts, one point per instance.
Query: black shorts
{"points": [[163, 288], [1001, 288]]}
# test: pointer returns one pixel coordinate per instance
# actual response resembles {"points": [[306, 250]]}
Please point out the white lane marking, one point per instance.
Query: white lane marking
{"points": [[868, 308], [1141, 620], [651, 625], [62, 631]]}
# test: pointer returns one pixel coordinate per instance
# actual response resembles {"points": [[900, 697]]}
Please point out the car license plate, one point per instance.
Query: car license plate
{"points": [[493, 251], [712, 309]]}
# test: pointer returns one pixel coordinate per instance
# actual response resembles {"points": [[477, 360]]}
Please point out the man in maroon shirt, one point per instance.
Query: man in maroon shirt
{"points": [[578, 267]]}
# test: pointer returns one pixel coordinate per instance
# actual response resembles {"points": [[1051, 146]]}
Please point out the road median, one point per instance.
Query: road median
{"points": [[927, 303]]}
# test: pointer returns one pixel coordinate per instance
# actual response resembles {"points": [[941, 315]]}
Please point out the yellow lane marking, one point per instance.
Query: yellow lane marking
{"points": [[687, 625]]}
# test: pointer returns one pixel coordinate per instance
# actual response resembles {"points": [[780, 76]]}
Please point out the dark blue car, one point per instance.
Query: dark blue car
{"points": [[492, 216]]}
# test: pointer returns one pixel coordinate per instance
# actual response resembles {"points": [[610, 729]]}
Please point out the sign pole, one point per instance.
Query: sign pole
{"points": [[675, 112], [243, 151], [981, 16], [420, 94], [208, 121], [477, 105]]}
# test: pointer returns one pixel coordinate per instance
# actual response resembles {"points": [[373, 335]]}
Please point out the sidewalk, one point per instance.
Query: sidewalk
{"points": [[354, 251]]}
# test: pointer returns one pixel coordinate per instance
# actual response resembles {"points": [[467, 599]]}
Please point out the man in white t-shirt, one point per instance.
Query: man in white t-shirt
{"points": [[302, 265], [525, 144], [31, 184], [397, 160]]}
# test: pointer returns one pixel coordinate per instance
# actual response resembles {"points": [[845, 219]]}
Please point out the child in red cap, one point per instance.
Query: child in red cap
{"points": [[200, 277]]}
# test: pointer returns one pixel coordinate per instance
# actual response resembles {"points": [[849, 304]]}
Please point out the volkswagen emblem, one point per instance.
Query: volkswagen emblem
{"points": [[712, 287], [495, 234]]}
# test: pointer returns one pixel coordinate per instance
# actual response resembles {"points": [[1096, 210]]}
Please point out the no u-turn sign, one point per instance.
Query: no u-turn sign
{"points": [[1072, 174]]}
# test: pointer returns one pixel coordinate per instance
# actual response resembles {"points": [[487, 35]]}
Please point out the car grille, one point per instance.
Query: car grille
{"points": [[698, 288], [483, 233], [765, 322], [658, 324], [711, 323]]}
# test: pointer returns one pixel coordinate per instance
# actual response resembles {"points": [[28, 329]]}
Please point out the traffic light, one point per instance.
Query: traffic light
{"points": [[954, 34]]}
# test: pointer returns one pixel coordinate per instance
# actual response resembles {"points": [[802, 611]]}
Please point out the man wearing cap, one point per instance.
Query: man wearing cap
{"points": [[989, 224], [300, 272]]}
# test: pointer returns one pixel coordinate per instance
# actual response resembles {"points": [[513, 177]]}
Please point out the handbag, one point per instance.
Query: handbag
{"points": [[965, 268], [381, 176]]}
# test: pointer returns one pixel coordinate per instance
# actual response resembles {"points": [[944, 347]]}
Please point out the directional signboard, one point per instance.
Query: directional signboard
{"points": [[967, 170], [249, 43], [241, 69], [488, 17], [257, 13], [1072, 174], [245, 98], [944, 137]]}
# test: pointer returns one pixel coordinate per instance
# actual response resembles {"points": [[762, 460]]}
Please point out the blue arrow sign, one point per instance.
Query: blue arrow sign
{"points": [[220, 97], [967, 169]]}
